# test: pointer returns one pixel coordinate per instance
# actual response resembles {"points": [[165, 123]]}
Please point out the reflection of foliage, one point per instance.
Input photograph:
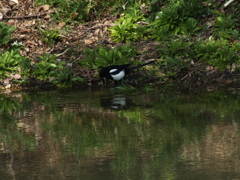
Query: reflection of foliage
{"points": [[8, 107], [9, 134], [128, 135], [133, 116], [151, 135]]}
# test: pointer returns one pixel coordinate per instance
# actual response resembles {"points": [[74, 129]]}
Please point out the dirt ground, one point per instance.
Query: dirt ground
{"points": [[29, 20]]}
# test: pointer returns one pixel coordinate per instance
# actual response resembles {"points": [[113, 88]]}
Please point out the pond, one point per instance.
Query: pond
{"points": [[87, 134]]}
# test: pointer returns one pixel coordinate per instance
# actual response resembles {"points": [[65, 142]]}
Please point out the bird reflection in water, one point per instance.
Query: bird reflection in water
{"points": [[118, 102]]}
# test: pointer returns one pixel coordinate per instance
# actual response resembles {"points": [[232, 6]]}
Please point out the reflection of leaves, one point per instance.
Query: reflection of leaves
{"points": [[8, 105], [134, 134], [8, 132]]}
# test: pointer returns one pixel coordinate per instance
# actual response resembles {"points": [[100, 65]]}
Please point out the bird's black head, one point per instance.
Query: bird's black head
{"points": [[104, 73]]}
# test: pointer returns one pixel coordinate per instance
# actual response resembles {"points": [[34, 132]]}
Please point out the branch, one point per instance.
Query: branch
{"points": [[26, 17], [100, 25]]}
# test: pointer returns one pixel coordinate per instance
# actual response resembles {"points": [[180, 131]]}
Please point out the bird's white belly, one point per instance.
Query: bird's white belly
{"points": [[118, 76]]}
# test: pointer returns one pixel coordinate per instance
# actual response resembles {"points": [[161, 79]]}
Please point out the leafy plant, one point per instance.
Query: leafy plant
{"points": [[176, 47], [56, 71], [170, 66], [86, 10], [10, 63], [102, 56], [65, 78], [176, 18], [127, 28], [224, 22], [46, 67], [229, 34], [218, 53], [5, 33], [68, 11], [225, 27], [50, 36], [174, 56]]}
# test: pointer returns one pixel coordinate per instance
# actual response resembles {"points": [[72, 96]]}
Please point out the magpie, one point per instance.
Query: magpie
{"points": [[118, 72]]}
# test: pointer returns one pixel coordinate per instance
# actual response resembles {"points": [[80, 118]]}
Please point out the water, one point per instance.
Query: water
{"points": [[120, 135]]}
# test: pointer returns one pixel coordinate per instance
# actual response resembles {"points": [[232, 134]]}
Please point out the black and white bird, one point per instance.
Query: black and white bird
{"points": [[118, 72]]}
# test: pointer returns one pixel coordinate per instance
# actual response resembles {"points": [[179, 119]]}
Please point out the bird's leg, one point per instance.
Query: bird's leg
{"points": [[104, 81], [123, 82], [116, 83]]}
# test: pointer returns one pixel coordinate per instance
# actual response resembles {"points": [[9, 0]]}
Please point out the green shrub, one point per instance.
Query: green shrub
{"points": [[5, 33], [51, 36], [225, 27], [127, 28], [68, 11], [46, 67], [224, 22], [102, 56], [218, 53], [177, 18], [65, 78], [86, 10], [176, 47], [175, 53], [10, 62], [9, 105]]}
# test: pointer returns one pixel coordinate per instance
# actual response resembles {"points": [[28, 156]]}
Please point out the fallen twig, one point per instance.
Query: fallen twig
{"points": [[26, 17], [100, 26], [60, 54]]}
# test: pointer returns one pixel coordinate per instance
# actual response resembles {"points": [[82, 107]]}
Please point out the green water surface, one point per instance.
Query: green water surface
{"points": [[128, 135]]}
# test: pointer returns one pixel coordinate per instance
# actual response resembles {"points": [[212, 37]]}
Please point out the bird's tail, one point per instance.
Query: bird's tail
{"points": [[139, 66]]}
